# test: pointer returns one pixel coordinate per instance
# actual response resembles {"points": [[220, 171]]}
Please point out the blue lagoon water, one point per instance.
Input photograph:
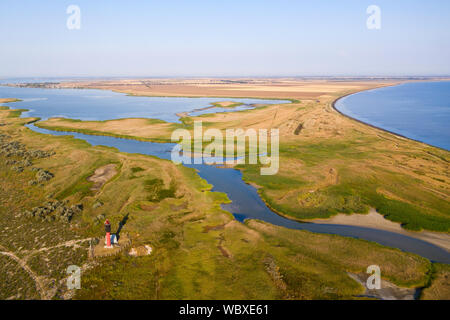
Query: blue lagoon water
{"points": [[416, 110], [92, 104]]}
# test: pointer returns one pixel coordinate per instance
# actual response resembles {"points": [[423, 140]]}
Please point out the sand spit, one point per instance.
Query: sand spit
{"points": [[375, 220]]}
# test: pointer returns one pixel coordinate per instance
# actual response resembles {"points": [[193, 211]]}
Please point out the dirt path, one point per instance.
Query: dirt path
{"points": [[63, 244], [23, 263], [39, 285]]}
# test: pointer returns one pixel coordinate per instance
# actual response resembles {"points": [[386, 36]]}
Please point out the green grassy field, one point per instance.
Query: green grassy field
{"points": [[333, 165], [438, 287], [199, 250]]}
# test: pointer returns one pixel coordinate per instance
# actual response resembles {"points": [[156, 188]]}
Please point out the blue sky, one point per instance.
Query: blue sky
{"points": [[224, 38]]}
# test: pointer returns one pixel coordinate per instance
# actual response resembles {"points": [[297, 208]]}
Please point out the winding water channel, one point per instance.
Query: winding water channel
{"points": [[246, 202]]}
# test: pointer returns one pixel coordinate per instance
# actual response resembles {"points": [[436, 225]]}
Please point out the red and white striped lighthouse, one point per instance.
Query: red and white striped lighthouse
{"points": [[108, 233]]}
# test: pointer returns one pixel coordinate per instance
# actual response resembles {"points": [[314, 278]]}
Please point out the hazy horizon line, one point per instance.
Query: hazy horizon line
{"points": [[227, 76]]}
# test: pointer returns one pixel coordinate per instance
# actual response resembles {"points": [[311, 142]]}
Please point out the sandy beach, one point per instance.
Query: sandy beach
{"points": [[376, 221]]}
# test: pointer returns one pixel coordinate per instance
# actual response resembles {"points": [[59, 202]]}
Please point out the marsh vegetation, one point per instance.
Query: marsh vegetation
{"points": [[199, 250]]}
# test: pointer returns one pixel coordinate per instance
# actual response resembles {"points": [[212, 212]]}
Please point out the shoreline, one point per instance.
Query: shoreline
{"points": [[291, 100], [369, 220], [375, 220], [397, 135]]}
